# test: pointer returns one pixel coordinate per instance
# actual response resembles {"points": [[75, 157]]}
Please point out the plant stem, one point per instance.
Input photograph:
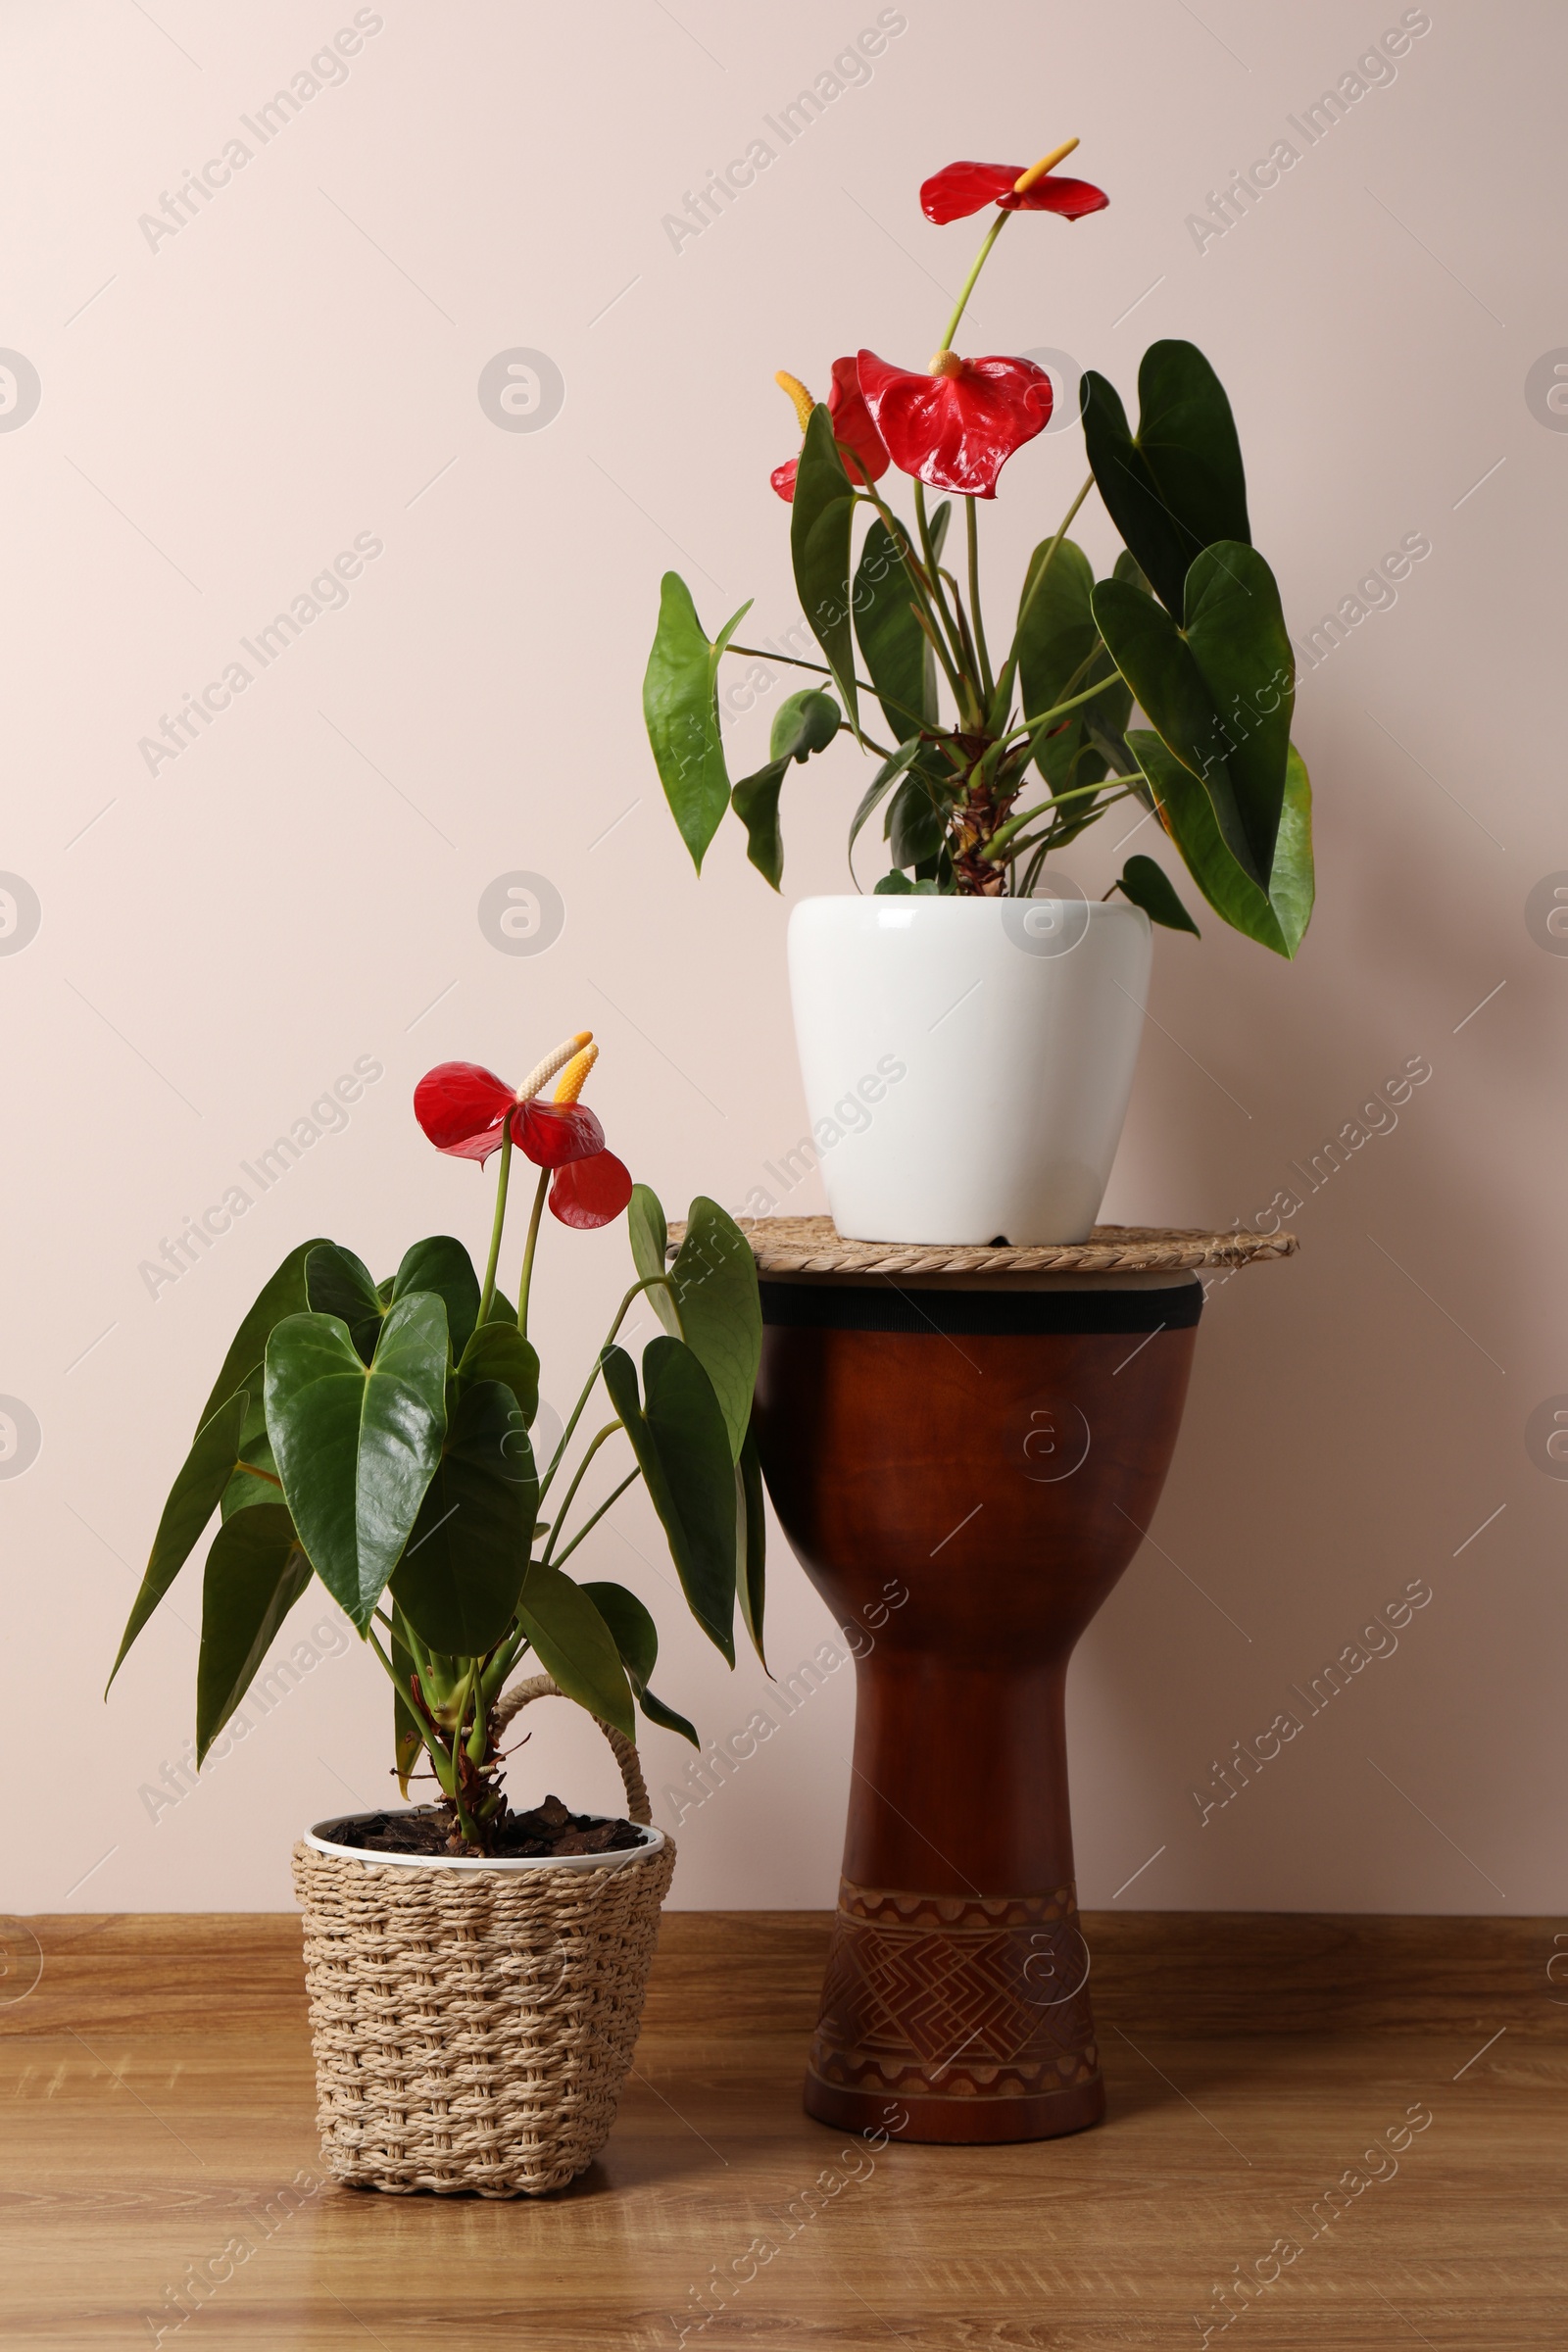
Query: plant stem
{"points": [[1029, 727], [969, 662], [1031, 877], [591, 1447], [1045, 559], [1053, 833], [972, 533], [489, 1291], [630, 1479], [1015, 824], [919, 582], [822, 671], [980, 260], [932, 568], [651, 1282], [540, 1190]]}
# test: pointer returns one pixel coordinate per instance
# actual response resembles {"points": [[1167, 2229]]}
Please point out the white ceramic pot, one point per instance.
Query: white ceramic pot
{"points": [[322, 1842], [968, 1062]]}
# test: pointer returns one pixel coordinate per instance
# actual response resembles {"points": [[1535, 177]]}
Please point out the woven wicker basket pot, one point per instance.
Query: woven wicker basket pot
{"points": [[472, 2024]]}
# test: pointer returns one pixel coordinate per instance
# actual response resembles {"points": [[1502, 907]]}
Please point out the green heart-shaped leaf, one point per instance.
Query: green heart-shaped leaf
{"points": [[916, 820], [574, 1644], [1149, 886], [648, 1231], [806, 723], [1061, 652], [338, 1283], [886, 775], [1179, 485], [681, 710], [821, 518], [256, 1571], [1277, 920], [1218, 691], [894, 646], [192, 1499], [711, 1301], [443, 1265], [682, 1448], [636, 1638], [283, 1294], [751, 1542], [407, 1736], [356, 1445], [459, 1579], [499, 1352], [254, 1479]]}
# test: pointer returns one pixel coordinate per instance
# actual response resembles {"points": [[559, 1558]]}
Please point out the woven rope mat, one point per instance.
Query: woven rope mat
{"points": [[812, 1245]]}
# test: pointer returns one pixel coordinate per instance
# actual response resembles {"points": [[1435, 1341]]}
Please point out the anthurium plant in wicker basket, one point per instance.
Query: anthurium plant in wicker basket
{"points": [[476, 1972], [998, 750]]}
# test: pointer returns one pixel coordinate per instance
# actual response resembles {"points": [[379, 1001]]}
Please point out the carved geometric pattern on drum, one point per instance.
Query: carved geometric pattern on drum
{"points": [[954, 1996]]}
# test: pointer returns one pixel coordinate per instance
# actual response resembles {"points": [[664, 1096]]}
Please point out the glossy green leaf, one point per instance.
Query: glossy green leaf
{"points": [[751, 1542], [635, 1634], [338, 1283], [680, 708], [668, 1719], [406, 1738], [648, 1231], [459, 1579], [1218, 690], [283, 1294], [356, 1446], [443, 1265], [575, 1645], [806, 723], [821, 518], [1061, 652], [682, 1449], [1149, 886], [894, 646], [886, 775], [915, 824], [1177, 486], [636, 1638], [499, 1352], [255, 1480], [713, 1304], [192, 1499], [1278, 921], [256, 1571]]}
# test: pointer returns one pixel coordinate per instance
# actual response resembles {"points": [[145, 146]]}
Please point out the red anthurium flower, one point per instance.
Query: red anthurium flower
{"points": [[591, 1192], [859, 444], [467, 1108], [462, 1108], [961, 189], [467, 1111], [554, 1134], [956, 430]]}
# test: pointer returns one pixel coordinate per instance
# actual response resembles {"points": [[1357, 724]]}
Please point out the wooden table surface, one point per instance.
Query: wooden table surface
{"points": [[157, 2080]]}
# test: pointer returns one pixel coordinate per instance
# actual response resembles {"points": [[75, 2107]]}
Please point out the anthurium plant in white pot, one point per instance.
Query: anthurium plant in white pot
{"points": [[477, 1971], [990, 766]]}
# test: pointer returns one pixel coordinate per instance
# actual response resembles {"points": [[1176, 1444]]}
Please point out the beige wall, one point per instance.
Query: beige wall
{"points": [[226, 409]]}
